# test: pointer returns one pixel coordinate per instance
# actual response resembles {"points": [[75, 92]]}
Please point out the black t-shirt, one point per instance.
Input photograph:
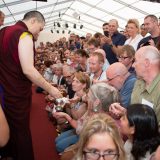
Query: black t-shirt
{"points": [[146, 39], [118, 39]]}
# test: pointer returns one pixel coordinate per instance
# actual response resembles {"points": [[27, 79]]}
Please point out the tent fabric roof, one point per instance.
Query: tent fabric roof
{"points": [[89, 13]]}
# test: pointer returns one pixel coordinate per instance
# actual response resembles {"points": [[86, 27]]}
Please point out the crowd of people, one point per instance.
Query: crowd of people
{"points": [[110, 81]]}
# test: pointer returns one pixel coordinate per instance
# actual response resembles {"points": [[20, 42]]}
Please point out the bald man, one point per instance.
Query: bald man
{"points": [[119, 77], [2, 16], [147, 86]]}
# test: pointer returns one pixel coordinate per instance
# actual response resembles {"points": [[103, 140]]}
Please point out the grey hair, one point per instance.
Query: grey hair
{"points": [[106, 94], [59, 66], [69, 69], [34, 14], [151, 53], [114, 20], [153, 17]]}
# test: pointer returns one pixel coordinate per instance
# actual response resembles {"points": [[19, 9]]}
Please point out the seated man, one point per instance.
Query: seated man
{"points": [[119, 77]]}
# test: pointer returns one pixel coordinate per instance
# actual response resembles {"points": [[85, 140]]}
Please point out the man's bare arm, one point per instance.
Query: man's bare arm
{"points": [[26, 56]]}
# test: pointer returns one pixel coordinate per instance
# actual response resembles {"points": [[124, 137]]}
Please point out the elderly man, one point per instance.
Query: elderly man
{"points": [[113, 40], [119, 77], [17, 72], [2, 16], [147, 86], [68, 74]]}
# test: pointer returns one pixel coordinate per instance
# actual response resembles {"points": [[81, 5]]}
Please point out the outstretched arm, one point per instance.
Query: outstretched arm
{"points": [[26, 56]]}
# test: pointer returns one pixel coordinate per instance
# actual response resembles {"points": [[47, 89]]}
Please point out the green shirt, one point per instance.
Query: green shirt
{"points": [[151, 94]]}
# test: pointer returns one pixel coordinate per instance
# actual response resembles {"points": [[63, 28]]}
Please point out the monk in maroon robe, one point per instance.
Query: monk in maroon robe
{"points": [[17, 73]]}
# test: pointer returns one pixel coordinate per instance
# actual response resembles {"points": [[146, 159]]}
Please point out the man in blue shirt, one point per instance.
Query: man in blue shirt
{"points": [[111, 42], [119, 77]]}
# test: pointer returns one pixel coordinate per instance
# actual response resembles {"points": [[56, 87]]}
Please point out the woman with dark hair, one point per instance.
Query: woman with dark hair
{"points": [[82, 60], [139, 124]]}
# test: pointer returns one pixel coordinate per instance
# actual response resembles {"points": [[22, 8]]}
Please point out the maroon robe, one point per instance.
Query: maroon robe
{"points": [[16, 94]]}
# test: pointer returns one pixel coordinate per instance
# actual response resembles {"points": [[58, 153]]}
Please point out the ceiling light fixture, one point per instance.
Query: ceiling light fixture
{"points": [[58, 24], [81, 26], [74, 26], [66, 25]]}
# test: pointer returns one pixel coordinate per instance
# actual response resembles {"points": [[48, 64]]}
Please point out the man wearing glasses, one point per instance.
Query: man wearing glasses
{"points": [[68, 74], [119, 77]]}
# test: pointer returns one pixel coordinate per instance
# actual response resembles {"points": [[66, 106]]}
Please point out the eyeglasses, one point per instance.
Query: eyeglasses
{"points": [[92, 155], [123, 58], [110, 79], [67, 77], [91, 49]]}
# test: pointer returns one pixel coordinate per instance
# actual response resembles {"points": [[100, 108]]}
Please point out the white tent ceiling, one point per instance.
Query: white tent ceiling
{"points": [[92, 13]]}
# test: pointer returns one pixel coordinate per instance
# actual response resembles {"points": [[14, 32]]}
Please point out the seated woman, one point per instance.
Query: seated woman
{"points": [[139, 124], [80, 85], [126, 56], [76, 109], [100, 138], [99, 98]]}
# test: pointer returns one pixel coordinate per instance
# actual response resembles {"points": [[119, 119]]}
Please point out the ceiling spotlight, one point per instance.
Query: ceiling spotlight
{"points": [[66, 25], [54, 24], [69, 32], [51, 31], [63, 31], [58, 24], [74, 26], [81, 26], [57, 31]]}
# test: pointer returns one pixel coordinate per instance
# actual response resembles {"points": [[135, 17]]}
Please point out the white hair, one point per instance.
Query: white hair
{"points": [[151, 53]]}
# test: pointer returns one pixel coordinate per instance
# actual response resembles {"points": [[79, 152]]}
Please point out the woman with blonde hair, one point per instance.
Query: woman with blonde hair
{"points": [[133, 30], [100, 138]]}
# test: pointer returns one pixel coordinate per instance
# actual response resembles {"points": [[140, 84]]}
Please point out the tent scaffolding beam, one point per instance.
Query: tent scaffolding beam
{"points": [[93, 13]]}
